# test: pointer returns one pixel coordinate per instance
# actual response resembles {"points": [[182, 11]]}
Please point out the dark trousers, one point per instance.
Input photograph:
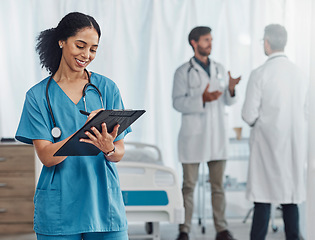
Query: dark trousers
{"points": [[261, 221]]}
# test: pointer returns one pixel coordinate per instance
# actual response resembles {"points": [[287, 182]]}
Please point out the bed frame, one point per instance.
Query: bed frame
{"points": [[151, 191]]}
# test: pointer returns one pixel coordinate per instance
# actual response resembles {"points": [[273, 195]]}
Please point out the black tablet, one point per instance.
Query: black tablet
{"points": [[73, 147]]}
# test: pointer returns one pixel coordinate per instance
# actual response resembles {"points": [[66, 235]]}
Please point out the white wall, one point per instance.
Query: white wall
{"points": [[310, 203]]}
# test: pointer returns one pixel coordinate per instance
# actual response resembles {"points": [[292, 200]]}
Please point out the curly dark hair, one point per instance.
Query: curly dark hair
{"points": [[47, 42]]}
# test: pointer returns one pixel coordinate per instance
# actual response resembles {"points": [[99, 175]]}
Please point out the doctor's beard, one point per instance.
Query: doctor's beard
{"points": [[204, 51]]}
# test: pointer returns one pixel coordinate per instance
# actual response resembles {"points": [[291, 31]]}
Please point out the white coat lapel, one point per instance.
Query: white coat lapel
{"points": [[202, 75], [213, 72], [214, 82]]}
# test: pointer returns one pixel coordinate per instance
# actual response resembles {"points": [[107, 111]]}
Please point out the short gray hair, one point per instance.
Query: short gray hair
{"points": [[277, 36]]}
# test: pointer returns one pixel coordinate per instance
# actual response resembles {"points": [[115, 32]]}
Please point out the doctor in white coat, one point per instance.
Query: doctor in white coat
{"points": [[201, 90], [276, 108]]}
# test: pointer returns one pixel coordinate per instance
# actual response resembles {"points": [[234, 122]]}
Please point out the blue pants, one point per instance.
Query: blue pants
{"points": [[261, 221], [123, 235]]}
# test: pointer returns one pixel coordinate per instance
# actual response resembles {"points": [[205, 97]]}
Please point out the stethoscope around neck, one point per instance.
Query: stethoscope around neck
{"points": [[56, 131], [191, 66]]}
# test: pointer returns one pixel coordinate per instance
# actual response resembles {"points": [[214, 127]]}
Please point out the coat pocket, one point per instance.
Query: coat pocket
{"points": [[47, 213]]}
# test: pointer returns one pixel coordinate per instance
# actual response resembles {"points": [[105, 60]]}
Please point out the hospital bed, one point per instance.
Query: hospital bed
{"points": [[150, 190]]}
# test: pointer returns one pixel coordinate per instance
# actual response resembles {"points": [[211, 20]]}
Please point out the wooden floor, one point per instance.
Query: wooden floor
{"points": [[169, 231]]}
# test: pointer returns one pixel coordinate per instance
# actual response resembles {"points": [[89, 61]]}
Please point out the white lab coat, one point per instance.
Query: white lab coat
{"points": [[276, 106], [202, 136]]}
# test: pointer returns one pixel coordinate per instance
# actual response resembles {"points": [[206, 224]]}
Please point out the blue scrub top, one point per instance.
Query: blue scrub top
{"points": [[82, 193]]}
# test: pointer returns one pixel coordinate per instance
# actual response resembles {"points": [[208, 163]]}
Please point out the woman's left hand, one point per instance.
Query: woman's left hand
{"points": [[102, 140]]}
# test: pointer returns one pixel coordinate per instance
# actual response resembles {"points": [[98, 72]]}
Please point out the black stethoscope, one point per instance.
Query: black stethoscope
{"points": [[191, 66], [56, 131]]}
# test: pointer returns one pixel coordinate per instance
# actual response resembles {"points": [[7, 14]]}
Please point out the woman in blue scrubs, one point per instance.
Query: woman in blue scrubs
{"points": [[77, 197]]}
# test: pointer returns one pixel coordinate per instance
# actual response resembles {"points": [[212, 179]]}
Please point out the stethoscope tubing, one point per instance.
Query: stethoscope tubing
{"points": [[191, 66], [85, 90], [56, 131]]}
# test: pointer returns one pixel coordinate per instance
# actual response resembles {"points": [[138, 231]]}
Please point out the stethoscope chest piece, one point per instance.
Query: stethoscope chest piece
{"points": [[56, 132]]}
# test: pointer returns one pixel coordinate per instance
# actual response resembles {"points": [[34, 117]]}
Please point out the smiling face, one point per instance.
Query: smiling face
{"points": [[79, 50]]}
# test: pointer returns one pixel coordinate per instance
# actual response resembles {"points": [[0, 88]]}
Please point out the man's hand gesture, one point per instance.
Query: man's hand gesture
{"points": [[210, 96], [232, 83]]}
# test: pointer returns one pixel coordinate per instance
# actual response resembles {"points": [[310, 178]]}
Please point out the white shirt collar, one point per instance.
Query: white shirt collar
{"points": [[276, 54]]}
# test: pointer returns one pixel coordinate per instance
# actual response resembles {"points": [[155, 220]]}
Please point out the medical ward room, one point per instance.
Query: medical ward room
{"points": [[157, 119]]}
